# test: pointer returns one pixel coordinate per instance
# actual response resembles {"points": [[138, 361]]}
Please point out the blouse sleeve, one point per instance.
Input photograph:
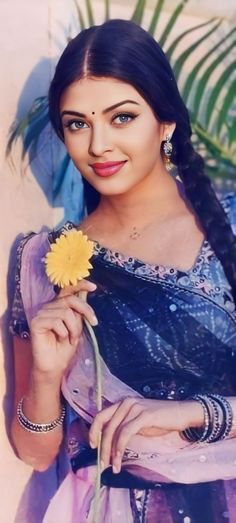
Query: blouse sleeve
{"points": [[18, 325]]}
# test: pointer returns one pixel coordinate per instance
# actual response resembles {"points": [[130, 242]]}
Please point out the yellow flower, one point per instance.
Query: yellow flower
{"points": [[68, 260]]}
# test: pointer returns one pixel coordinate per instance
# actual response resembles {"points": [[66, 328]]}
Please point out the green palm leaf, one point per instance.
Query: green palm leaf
{"points": [[228, 102], [137, 15], [216, 91], [206, 76], [89, 12], [184, 56], [107, 10], [178, 39], [156, 16], [193, 75], [172, 22]]}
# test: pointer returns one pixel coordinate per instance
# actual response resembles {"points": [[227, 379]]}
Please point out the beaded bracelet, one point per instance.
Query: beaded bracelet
{"points": [[227, 411], [218, 419], [38, 427], [194, 434]]}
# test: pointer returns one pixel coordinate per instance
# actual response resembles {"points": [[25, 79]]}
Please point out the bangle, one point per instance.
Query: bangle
{"points": [[38, 427], [218, 420], [194, 434], [227, 411]]}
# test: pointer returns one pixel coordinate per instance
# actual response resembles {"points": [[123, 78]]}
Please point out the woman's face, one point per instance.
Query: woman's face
{"points": [[111, 134]]}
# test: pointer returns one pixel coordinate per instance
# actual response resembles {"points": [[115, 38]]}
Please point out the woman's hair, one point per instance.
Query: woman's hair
{"points": [[123, 50]]}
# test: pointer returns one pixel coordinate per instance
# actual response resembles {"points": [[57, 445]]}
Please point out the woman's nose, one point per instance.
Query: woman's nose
{"points": [[100, 142]]}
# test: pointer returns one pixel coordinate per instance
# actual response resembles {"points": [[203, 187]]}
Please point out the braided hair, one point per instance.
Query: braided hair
{"points": [[123, 50]]}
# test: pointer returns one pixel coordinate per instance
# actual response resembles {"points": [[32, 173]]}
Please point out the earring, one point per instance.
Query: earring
{"points": [[168, 148]]}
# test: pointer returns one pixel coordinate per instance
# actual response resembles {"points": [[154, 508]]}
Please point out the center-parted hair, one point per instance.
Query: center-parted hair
{"points": [[123, 50]]}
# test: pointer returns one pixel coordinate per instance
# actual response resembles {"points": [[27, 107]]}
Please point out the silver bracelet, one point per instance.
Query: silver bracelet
{"points": [[38, 427]]}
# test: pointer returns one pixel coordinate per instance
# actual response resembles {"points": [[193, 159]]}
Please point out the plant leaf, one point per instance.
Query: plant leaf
{"points": [[228, 101], [178, 39], [107, 10], [217, 90], [171, 22], [213, 145], [89, 12], [183, 57], [156, 16], [137, 15], [205, 77], [80, 16], [191, 77]]}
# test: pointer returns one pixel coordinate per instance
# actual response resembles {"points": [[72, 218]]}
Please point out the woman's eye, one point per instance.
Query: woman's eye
{"points": [[75, 125], [123, 118]]}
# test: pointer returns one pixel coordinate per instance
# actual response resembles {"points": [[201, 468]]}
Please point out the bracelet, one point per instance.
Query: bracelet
{"points": [[199, 435], [227, 411], [218, 419], [38, 427]]}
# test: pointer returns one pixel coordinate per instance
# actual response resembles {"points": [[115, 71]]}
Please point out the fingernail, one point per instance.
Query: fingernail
{"points": [[102, 465], [92, 445], [94, 320], [115, 469]]}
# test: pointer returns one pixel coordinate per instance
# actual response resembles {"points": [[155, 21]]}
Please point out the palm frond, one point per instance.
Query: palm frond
{"points": [[137, 15], [172, 22], [180, 37], [193, 75], [202, 83], [227, 103], [217, 90], [107, 10], [177, 66], [89, 12], [156, 16], [80, 15]]}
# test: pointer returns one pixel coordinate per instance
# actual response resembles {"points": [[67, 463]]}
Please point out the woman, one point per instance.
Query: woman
{"points": [[161, 298]]}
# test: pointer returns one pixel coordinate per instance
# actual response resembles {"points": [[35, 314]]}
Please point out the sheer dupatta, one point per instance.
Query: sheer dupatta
{"points": [[158, 459]]}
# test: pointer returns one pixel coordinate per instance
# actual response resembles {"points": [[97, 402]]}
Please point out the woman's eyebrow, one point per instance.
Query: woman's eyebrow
{"points": [[76, 113]]}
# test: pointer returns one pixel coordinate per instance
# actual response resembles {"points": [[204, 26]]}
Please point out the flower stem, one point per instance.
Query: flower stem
{"points": [[99, 407]]}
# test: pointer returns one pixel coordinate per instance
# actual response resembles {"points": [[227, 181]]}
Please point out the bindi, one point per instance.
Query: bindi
{"points": [[93, 112]]}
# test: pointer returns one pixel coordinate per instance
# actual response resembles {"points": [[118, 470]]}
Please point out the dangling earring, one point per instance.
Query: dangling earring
{"points": [[168, 148]]}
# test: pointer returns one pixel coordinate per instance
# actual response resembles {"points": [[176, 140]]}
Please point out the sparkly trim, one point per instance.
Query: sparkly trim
{"points": [[18, 324]]}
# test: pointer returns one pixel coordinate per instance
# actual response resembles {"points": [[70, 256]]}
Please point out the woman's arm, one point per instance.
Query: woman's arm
{"points": [[41, 405], [147, 417], [39, 368]]}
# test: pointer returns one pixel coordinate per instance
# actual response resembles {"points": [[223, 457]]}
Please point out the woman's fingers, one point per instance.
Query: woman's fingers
{"points": [[107, 422], [55, 325], [76, 304], [122, 437], [98, 423], [83, 285], [109, 430], [71, 320]]}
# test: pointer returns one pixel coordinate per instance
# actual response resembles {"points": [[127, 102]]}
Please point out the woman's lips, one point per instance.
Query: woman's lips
{"points": [[107, 168]]}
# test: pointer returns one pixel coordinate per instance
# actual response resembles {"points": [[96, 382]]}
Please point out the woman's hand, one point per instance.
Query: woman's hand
{"points": [[147, 417], [57, 327]]}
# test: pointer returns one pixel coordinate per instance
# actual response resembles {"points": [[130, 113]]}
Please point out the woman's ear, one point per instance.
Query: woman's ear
{"points": [[168, 130]]}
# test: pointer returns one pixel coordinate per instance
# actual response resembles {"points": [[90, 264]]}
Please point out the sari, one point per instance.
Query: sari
{"points": [[163, 334]]}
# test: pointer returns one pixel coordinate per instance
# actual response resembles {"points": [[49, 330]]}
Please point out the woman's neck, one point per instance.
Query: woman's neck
{"points": [[141, 205]]}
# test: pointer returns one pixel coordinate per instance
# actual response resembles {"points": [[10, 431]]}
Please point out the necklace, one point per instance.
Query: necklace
{"points": [[134, 234]]}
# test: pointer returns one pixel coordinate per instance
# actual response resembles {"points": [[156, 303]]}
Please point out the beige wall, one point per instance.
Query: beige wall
{"points": [[32, 33]]}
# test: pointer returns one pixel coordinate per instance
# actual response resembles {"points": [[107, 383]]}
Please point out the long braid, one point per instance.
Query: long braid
{"points": [[209, 210]]}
